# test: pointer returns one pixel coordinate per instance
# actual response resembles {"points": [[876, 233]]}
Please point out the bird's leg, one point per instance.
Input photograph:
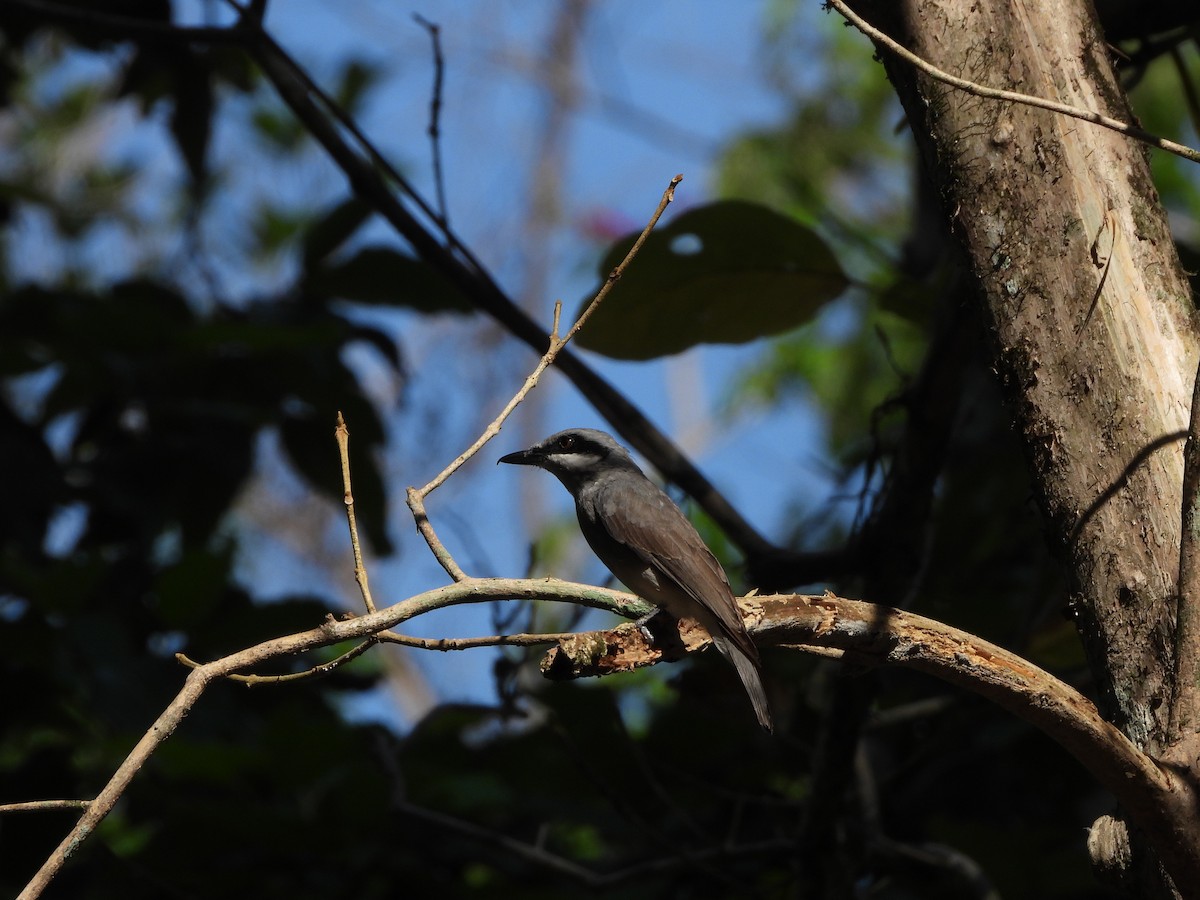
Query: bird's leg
{"points": [[643, 624]]}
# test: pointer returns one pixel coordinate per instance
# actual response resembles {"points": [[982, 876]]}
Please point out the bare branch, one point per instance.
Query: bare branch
{"points": [[863, 632], [330, 632], [980, 90], [435, 116]]}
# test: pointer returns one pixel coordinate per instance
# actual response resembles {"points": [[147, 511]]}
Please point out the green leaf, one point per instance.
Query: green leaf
{"points": [[726, 273], [386, 276]]}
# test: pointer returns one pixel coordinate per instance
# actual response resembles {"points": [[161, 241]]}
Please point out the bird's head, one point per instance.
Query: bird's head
{"points": [[574, 456]]}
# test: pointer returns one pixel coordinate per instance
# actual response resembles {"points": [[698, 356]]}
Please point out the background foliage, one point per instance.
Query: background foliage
{"points": [[144, 404]]}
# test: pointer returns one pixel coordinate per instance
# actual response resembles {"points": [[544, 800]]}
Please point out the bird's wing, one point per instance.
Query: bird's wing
{"points": [[652, 520]]}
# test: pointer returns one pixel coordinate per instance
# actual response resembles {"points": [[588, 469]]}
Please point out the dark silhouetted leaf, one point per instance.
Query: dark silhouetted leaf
{"points": [[386, 276], [191, 119], [333, 229], [725, 273]]}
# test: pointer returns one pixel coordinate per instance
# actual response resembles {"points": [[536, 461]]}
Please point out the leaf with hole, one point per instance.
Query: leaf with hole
{"points": [[726, 273]]}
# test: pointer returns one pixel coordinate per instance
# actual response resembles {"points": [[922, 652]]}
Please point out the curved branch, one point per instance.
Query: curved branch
{"points": [[332, 631], [878, 635], [860, 631]]}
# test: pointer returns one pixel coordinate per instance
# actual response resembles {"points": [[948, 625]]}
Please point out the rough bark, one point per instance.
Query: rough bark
{"points": [[1092, 319]]}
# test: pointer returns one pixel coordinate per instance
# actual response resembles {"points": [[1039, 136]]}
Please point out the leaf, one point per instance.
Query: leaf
{"points": [[726, 273], [333, 229], [386, 276], [191, 118]]}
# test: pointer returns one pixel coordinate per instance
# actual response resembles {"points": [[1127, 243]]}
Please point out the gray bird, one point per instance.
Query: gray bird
{"points": [[647, 543]]}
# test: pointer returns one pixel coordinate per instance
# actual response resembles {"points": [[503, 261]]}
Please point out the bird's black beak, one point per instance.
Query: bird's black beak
{"points": [[521, 458]]}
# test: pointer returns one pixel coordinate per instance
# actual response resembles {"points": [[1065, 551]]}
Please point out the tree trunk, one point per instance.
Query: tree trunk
{"points": [[1092, 319]]}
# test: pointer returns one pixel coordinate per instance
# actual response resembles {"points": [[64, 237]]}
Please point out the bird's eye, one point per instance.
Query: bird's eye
{"points": [[566, 442]]}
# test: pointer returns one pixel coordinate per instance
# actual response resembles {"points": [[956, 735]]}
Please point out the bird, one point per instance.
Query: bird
{"points": [[648, 543]]}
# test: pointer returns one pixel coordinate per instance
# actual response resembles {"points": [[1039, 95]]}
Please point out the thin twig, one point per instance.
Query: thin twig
{"points": [[494, 640], [342, 434], [416, 497], [435, 115], [557, 343], [315, 672], [980, 90], [416, 503], [39, 805]]}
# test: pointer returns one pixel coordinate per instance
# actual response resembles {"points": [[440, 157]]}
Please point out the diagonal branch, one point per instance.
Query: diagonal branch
{"points": [[367, 181]]}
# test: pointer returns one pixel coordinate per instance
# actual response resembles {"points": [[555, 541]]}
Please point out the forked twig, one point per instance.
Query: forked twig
{"points": [[315, 672], [416, 497]]}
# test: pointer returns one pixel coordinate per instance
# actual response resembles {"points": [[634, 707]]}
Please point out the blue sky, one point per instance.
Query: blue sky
{"points": [[662, 88]]}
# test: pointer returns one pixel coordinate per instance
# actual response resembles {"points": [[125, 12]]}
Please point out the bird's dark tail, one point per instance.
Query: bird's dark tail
{"points": [[748, 670]]}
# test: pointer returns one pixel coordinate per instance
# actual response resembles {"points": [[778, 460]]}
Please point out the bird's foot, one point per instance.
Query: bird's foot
{"points": [[660, 618]]}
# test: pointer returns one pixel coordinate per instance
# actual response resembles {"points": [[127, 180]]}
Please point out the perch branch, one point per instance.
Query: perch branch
{"points": [[979, 90], [863, 632], [874, 635], [329, 632]]}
